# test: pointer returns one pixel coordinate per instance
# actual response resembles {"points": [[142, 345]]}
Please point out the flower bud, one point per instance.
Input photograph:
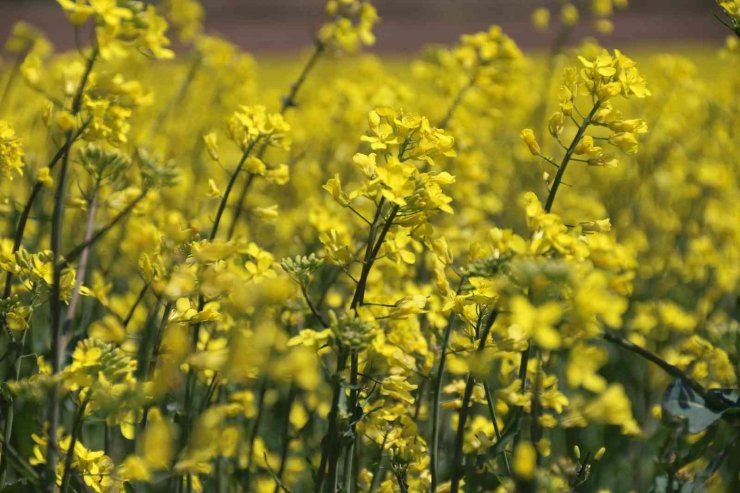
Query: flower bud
{"points": [[556, 124], [625, 141], [607, 160], [635, 125], [600, 453], [528, 137]]}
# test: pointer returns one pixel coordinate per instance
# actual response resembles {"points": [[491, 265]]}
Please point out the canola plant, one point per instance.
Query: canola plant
{"points": [[480, 271]]}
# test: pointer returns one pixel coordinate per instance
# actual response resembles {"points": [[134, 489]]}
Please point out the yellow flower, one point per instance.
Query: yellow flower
{"points": [[556, 124], [310, 337], [211, 142], [613, 407], [11, 152], [44, 177], [527, 136], [334, 187], [626, 141], [569, 14], [536, 322], [541, 18], [524, 463]]}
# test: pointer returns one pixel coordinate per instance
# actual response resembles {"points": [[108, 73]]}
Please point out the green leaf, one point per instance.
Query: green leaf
{"points": [[681, 401]]}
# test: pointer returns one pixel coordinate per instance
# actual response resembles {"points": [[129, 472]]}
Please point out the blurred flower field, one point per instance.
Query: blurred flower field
{"points": [[475, 270]]}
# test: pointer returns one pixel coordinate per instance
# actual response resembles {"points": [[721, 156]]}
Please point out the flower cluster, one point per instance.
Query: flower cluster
{"points": [[351, 25], [224, 275], [11, 152], [121, 26], [602, 79]]}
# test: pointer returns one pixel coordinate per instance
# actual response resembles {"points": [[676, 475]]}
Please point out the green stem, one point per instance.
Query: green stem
{"points": [[26, 211], [287, 102], [9, 412], [84, 261], [76, 429], [568, 154], [314, 311], [255, 431], [132, 310], [354, 414], [328, 443], [229, 187], [436, 395], [13, 73], [72, 255], [240, 202], [492, 412], [190, 381], [371, 253], [57, 338], [286, 439], [465, 409], [151, 339], [672, 370], [379, 467], [457, 101]]}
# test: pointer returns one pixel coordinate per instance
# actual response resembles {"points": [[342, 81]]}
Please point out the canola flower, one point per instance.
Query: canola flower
{"points": [[363, 278]]}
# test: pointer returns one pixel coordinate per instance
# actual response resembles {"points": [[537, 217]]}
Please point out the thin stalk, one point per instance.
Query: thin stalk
{"points": [[379, 468], [492, 412], [229, 187], [240, 204], [456, 102], [180, 97], [13, 74], [465, 409], [57, 343], [556, 47], [568, 154], [57, 338], [328, 443], [371, 253], [548, 207], [136, 304], [672, 370], [286, 439], [436, 395], [354, 416], [28, 206], [84, 259], [523, 368], [255, 431], [210, 392], [535, 429], [190, 381], [21, 464], [287, 102], [401, 480], [76, 429], [72, 255], [151, 339], [9, 412], [107, 438], [313, 308]]}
